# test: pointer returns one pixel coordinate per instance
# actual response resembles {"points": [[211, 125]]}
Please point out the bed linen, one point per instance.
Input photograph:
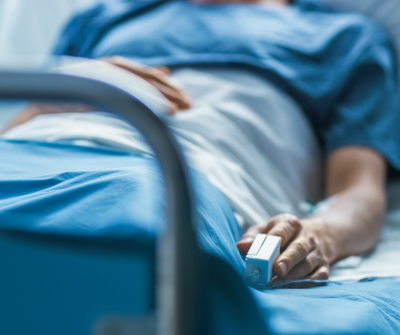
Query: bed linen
{"points": [[62, 187], [234, 134], [93, 191], [256, 186]]}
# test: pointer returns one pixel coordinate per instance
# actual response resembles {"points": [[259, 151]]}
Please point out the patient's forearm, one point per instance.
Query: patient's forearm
{"points": [[36, 109], [353, 223]]}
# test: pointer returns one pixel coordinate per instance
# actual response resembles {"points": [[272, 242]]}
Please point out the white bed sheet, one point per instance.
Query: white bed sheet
{"points": [[384, 260]]}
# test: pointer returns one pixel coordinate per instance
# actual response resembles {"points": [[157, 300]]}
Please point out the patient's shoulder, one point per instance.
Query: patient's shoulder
{"points": [[366, 26]]}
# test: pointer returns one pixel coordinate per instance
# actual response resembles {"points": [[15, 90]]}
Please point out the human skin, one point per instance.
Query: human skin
{"points": [[350, 227], [156, 76]]}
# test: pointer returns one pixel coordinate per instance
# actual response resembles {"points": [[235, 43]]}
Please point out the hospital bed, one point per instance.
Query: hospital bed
{"points": [[42, 267], [186, 277], [80, 279]]}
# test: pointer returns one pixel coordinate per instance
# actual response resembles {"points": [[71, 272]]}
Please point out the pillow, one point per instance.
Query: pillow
{"points": [[384, 12]]}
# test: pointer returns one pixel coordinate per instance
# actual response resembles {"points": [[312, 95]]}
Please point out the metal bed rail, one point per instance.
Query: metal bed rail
{"points": [[178, 254]]}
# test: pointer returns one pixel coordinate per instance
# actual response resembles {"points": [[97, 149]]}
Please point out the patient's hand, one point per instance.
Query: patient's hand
{"points": [[158, 77], [38, 108], [350, 226], [307, 249]]}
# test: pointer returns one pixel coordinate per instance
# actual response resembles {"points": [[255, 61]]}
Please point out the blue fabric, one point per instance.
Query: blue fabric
{"points": [[362, 308], [93, 192], [339, 66], [86, 208]]}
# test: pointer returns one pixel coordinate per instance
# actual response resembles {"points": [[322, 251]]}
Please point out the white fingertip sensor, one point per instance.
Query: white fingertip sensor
{"points": [[260, 258]]}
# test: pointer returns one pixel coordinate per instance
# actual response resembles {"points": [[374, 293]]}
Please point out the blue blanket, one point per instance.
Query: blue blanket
{"points": [[71, 190], [94, 192]]}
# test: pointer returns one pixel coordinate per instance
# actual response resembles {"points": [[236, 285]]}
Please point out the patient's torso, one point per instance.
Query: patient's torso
{"points": [[338, 66], [251, 140]]}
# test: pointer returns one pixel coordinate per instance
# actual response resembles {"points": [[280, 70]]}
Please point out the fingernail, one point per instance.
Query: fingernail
{"points": [[283, 268]]}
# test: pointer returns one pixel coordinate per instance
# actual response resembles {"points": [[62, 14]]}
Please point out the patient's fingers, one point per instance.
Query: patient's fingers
{"points": [[164, 70], [321, 273], [296, 252], [285, 225], [305, 253], [248, 238], [173, 94], [302, 268], [158, 77], [170, 91]]}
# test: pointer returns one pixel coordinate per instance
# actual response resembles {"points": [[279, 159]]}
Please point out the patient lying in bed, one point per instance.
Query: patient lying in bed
{"points": [[231, 118]]}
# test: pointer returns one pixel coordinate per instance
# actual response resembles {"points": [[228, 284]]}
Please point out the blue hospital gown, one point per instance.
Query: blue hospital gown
{"points": [[339, 66]]}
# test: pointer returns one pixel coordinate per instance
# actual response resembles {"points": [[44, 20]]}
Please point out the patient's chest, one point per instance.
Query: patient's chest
{"points": [[304, 52], [183, 29]]}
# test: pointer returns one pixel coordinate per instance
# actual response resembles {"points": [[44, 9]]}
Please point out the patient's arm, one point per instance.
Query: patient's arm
{"points": [[158, 77], [38, 108], [350, 227]]}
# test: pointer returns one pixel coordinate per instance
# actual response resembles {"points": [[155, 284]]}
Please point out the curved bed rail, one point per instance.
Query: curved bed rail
{"points": [[177, 282]]}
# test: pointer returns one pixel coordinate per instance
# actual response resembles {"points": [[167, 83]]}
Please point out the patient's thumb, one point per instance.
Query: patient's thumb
{"points": [[244, 244]]}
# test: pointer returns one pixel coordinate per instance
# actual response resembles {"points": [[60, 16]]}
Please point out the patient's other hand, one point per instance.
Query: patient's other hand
{"points": [[38, 108], [158, 77], [307, 249]]}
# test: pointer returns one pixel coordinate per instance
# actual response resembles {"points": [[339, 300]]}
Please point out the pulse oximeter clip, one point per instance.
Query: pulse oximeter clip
{"points": [[260, 258]]}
